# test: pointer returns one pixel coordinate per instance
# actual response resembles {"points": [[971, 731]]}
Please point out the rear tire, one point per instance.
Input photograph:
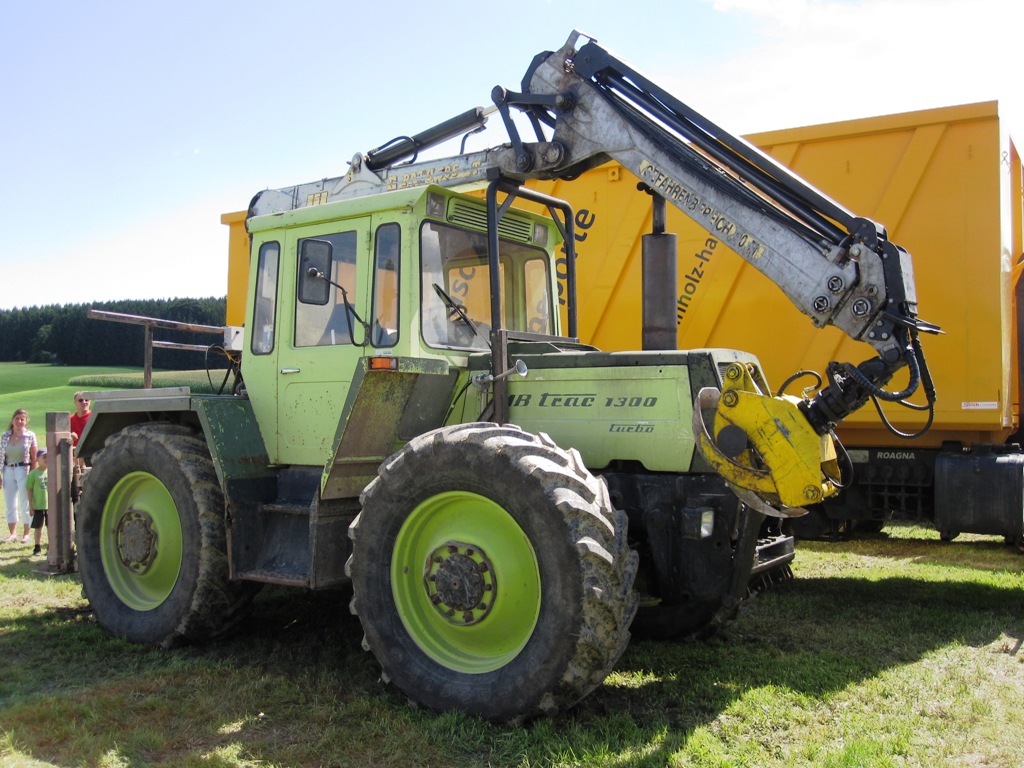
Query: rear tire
{"points": [[491, 573], [151, 539]]}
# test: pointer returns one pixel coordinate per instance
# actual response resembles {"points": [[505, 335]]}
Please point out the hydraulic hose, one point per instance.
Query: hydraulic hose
{"points": [[850, 387]]}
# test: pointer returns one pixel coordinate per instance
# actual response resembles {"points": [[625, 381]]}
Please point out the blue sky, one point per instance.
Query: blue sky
{"points": [[128, 128]]}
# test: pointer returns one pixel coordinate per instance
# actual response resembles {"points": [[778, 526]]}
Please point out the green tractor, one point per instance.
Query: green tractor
{"points": [[494, 567], [416, 418]]}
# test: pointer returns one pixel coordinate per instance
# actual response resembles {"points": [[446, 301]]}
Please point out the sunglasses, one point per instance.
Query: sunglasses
{"points": [[80, 400]]}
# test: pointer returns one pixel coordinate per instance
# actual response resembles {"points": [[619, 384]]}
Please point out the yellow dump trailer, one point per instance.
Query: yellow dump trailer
{"points": [[948, 185]]}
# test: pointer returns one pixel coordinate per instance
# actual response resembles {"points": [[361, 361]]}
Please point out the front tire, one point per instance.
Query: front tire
{"points": [[151, 539], [491, 573]]}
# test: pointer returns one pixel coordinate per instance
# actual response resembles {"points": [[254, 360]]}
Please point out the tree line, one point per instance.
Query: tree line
{"points": [[64, 335]]}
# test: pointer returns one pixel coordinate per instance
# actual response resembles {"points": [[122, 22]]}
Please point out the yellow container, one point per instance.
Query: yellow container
{"points": [[238, 266]]}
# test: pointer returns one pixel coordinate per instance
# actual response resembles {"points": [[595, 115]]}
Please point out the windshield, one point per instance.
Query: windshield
{"points": [[455, 288]]}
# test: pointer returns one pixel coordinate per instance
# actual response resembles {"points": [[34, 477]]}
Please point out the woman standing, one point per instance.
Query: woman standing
{"points": [[17, 456]]}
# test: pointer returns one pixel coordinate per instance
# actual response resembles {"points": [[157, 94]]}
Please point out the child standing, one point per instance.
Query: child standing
{"points": [[35, 485]]}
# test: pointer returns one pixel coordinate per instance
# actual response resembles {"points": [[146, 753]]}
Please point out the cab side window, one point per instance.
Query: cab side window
{"points": [[265, 304], [386, 261], [327, 315], [536, 282]]}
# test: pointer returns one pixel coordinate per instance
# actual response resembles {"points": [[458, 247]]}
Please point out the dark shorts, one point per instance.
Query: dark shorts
{"points": [[38, 518]]}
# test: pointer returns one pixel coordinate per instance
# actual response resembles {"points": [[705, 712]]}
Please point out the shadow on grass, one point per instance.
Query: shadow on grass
{"points": [[923, 545], [293, 687]]}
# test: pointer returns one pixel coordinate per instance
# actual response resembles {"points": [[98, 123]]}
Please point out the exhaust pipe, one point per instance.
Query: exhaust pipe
{"points": [[660, 282]]}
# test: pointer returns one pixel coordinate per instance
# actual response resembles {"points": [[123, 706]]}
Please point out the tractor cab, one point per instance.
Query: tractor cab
{"points": [[411, 277]]}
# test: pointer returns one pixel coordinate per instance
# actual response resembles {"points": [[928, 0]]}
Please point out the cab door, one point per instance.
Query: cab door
{"points": [[323, 334]]}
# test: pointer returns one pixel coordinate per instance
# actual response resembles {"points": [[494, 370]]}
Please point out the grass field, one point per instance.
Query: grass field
{"points": [[899, 650], [893, 650]]}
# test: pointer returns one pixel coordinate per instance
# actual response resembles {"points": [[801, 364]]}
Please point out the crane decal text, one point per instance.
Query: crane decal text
{"points": [[691, 203]]}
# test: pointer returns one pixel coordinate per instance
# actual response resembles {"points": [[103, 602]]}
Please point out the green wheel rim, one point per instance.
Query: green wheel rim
{"points": [[462, 532], [141, 541]]}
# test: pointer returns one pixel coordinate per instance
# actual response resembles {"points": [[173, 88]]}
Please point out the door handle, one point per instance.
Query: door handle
{"points": [[285, 371]]}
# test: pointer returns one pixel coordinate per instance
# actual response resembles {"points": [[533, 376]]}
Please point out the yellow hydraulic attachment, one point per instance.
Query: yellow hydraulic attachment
{"points": [[764, 446]]}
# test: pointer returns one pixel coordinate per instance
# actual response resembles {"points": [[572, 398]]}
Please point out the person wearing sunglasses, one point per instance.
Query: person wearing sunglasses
{"points": [[78, 420]]}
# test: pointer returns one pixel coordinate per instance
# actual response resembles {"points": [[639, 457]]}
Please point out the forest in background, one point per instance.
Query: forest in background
{"points": [[64, 335]]}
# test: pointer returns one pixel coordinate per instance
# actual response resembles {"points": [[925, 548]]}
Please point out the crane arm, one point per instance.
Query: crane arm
{"points": [[836, 267]]}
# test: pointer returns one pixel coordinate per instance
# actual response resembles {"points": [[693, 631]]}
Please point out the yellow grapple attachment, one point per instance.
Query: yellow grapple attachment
{"points": [[764, 446]]}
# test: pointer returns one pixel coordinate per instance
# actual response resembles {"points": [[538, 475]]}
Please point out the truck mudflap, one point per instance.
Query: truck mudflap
{"points": [[981, 490]]}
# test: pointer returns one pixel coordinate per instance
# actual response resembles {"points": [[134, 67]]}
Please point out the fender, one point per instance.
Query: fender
{"points": [[227, 424]]}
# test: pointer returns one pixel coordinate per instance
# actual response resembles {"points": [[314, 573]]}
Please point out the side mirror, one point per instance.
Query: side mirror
{"points": [[315, 270]]}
